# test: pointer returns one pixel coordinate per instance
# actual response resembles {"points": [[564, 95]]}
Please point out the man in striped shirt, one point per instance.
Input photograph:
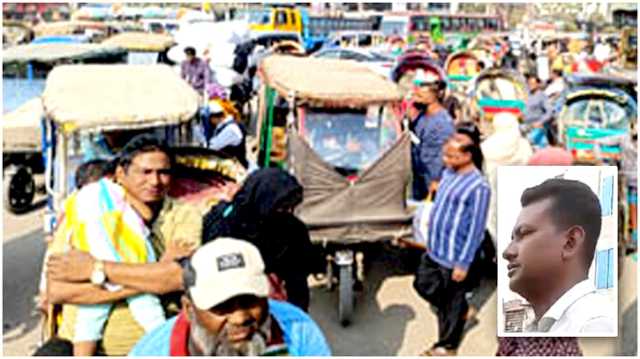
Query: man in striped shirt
{"points": [[456, 230]]}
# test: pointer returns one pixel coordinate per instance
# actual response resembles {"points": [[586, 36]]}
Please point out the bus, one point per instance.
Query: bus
{"points": [[314, 29], [413, 25]]}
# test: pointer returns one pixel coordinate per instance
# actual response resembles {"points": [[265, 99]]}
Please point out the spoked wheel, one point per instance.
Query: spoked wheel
{"points": [[19, 189]]}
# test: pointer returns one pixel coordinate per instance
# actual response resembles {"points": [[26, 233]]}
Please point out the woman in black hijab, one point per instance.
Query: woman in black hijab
{"points": [[262, 213]]}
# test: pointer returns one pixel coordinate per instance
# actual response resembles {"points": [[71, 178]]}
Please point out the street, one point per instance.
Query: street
{"points": [[390, 318]]}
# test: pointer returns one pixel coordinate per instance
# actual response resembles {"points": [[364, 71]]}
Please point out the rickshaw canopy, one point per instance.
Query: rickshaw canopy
{"points": [[108, 97], [68, 27], [327, 82], [21, 127], [52, 52], [141, 41]]}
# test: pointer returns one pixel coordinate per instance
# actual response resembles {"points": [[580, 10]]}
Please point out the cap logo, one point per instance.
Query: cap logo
{"points": [[230, 261]]}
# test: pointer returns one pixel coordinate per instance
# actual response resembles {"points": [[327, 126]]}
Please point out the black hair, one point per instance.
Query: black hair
{"points": [[471, 130], [92, 171], [190, 51], [140, 144], [574, 203], [531, 75], [557, 72]]}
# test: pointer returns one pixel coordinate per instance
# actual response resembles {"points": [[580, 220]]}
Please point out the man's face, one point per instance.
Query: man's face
{"points": [[427, 95], [234, 327], [452, 155], [216, 118], [148, 176], [533, 84], [535, 251], [190, 57]]}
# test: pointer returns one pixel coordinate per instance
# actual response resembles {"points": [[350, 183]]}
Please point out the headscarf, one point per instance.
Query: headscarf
{"points": [[252, 214]]}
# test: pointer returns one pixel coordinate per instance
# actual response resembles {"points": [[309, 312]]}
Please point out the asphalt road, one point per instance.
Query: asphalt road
{"points": [[389, 319]]}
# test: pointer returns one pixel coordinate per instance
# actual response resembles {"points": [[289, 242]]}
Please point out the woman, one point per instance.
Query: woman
{"points": [[262, 213]]}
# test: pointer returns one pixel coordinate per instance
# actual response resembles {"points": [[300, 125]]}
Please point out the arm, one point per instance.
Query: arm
{"points": [[480, 206], [548, 109], [84, 293], [433, 139], [156, 278]]}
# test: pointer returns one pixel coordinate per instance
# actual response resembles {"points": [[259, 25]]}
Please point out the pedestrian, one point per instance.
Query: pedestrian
{"points": [[456, 230], [539, 113], [432, 127], [552, 248], [504, 147], [195, 70], [261, 212], [228, 133], [556, 85], [225, 311]]}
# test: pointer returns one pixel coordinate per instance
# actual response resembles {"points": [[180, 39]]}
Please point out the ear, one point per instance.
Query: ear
{"points": [[187, 306], [573, 242], [119, 174]]}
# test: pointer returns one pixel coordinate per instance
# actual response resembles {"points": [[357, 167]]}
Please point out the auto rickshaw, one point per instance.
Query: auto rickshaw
{"points": [[24, 70], [335, 125], [143, 48], [141, 98]]}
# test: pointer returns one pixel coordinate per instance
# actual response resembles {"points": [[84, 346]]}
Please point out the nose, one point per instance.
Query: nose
{"points": [[510, 252], [241, 318]]}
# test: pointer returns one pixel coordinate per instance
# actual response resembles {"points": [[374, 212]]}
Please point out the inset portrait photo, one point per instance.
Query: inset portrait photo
{"points": [[557, 251]]}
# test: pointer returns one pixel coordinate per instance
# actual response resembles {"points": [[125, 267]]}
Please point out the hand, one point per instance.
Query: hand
{"points": [[177, 249], [433, 187], [458, 274], [42, 302], [73, 266]]}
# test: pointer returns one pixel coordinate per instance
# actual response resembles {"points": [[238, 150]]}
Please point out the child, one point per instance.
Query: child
{"points": [[456, 230]]}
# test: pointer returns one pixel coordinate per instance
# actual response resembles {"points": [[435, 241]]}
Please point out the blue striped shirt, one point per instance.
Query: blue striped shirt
{"points": [[458, 218]]}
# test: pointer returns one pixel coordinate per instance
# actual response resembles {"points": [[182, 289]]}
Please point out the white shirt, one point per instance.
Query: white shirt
{"points": [[580, 310], [555, 87]]}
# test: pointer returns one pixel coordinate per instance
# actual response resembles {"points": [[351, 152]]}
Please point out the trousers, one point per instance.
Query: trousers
{"points": [[434, 284]]}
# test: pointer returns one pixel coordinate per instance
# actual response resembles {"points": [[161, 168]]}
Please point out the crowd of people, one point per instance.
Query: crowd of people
{"points": [[136, 272]]}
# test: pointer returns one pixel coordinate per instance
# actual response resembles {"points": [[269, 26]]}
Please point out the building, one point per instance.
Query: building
{"points": [[518, 314]]}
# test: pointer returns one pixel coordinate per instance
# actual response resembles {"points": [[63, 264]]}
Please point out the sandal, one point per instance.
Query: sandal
{"points": [[439, 352]]}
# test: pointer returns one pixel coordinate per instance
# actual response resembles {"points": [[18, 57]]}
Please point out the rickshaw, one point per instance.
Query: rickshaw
{"points": [[494, 91], [24, 70], [143, 48], [335, 126], [461, 67], [95, 29], [141, 98], [596, 114]]}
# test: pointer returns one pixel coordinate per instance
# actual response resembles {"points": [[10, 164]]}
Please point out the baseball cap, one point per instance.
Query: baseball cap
{"points": [[225, 268], [215, 108]]}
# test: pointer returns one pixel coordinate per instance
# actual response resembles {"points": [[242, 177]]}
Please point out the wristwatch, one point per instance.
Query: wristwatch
{"points": [[98, 276]]}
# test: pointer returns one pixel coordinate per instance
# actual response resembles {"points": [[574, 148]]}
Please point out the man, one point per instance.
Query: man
{"points": [[431, 127], [143, 176], [225, 311], [228, 135], [194, 70], [539, 113], [557, 84], [552, 247], [456, 230]]}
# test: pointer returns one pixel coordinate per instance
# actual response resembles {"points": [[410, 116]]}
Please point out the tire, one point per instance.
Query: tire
{"points": [[345, 294], [19, 189]]}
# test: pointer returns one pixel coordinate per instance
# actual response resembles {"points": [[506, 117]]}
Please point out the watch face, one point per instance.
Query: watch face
{"points": [[98, 277]]}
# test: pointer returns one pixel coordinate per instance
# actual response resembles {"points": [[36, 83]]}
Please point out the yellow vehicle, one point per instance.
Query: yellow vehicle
{"points": [[275, 19]]}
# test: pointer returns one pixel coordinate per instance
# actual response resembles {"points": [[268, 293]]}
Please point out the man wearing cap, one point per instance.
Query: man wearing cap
{"points": [[432, 127], [228, 135], [225, 311]]}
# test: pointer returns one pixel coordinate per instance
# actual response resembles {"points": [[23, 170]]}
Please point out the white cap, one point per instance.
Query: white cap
{"points": [[225, 268], [215, 108]]}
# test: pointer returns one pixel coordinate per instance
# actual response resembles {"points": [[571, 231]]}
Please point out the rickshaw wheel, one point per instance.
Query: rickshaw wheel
{"points": [[19, 189], [345, 294]]}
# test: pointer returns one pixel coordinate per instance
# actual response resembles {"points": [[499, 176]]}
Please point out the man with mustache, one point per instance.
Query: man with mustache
{"points": [[552, 247], [225, 311]]}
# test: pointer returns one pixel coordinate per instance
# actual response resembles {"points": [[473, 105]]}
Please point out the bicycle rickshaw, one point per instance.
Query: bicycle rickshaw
{"points": [[335, 125], [143, 48], [25, 68], [86, 101]]}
